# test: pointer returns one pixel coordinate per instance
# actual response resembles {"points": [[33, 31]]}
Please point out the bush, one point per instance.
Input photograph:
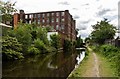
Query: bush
{"points": [[40, 45], [108, 50], [67, 45], [55, 41], [22, 33], [113, 55], [11, 48], [33, 50]]}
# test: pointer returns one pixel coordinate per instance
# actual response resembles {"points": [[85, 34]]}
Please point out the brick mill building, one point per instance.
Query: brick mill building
{"points": [[61, 21]]}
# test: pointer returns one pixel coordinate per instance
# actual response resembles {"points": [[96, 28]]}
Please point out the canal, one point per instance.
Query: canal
{"points": [[58, 64]]}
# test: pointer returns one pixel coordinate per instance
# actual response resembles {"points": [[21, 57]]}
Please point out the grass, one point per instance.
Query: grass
{"points": [[106, 69], [78, 72], [86, 67]]}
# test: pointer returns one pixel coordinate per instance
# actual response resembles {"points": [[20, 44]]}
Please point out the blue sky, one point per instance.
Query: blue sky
{"points": [[85, 12]]}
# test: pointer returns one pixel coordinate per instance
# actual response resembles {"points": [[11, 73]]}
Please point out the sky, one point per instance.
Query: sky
{"points": [[85, 12]]}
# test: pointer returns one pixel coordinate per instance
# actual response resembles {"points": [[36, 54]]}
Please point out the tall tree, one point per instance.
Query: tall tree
{"points": [[103, 31], [7, 9]]}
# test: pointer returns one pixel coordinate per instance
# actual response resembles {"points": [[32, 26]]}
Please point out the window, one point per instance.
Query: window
{"points": [[31, 16], [63, 13], [57, 20], [38, 15], [57, 27], [62, 19], [57, 14], [26, 16], [52, 14], [35, 15], [48, 14], [43, 15], [52, 20], [62, 27], [47, 20]]}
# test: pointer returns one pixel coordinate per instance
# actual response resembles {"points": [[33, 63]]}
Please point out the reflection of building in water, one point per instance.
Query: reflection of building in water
{"points": [[80, 57]]}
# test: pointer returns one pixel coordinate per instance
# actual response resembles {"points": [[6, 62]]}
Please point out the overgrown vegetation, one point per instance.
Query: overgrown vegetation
{"points": [[55, 41], [11, 48], [30, 39], [112, 53], [102, 31], [27, 39]]}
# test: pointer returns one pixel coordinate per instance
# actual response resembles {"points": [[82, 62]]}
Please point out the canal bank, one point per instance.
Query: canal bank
{"points": [[94, 65]]}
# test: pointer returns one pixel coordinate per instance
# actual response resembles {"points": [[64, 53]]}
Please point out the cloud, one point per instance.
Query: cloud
{"points": [[84, 34], [85, 4], [111, 18], [64, 3], [100, 7], [81, 26], [97, 0], [75, 8], [86, 22], [103, 12], [76, 17]]}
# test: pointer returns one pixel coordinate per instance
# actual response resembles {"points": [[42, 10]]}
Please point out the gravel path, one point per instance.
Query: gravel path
{"points": [[95, 64]]}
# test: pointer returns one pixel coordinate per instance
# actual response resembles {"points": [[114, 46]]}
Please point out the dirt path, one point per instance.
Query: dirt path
{"points": [[95, 64]]}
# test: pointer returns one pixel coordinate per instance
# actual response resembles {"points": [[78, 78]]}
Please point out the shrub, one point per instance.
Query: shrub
{"points": [[22, 33], [55, 41], [40, 45], [33, 50], [67, 45], [42, 35], [11, 48]]}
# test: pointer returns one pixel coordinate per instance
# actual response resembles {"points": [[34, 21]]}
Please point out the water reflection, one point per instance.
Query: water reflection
{"points": [[58, 64]]}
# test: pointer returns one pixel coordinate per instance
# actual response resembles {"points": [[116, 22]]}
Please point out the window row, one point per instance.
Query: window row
{"points": [[43, 15], [52, 20]]}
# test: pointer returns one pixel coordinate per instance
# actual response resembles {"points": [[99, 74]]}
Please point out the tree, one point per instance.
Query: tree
{"points": [[23, 35], [11, 48], [79, 42], [7, 9], [103, 31], [55, 41]]}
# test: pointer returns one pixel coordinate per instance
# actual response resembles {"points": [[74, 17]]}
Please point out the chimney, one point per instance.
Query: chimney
{"points": [[22, 16]]}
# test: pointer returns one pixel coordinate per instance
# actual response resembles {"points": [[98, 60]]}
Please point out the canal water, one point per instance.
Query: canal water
{"points": [[58, 64]]}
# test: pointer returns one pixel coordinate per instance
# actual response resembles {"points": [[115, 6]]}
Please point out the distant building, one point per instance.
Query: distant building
{"points": [[61, 21]]}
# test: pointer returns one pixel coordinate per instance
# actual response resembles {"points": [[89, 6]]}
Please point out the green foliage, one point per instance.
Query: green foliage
{"points": [[5, 30], [103, 31], [112, 53], [40, 45], [7, 9], [79, 42], [33, 40], [55, 41], [42, 34], [11, 48], [22, 33], [67, 45], [33, 50]]}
